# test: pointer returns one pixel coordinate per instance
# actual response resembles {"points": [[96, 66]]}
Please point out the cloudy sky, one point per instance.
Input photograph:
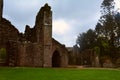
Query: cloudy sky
{"points": [[70, 17]]}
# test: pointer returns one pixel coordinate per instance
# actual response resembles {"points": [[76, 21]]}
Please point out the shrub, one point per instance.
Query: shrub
{"points": [[2, 54]]}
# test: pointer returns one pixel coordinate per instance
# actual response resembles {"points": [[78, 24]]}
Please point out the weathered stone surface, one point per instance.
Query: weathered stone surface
{"points": [[87, 57], [62, 50], [118, 62], [107, 63], [30, 34], [35, 47], [1, 9]]}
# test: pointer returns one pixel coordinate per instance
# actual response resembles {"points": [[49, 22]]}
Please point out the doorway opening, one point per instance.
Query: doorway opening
{"points": [[56, 59]]}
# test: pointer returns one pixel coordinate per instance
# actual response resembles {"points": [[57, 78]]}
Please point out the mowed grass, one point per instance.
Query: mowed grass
{"points": [[58, 74]]}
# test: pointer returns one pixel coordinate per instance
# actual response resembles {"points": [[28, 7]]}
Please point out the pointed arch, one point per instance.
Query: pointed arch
{"points": [[56, 59]]}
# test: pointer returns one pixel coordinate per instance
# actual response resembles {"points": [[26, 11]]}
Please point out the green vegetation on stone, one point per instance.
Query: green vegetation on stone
{"points": [[2, 54]]}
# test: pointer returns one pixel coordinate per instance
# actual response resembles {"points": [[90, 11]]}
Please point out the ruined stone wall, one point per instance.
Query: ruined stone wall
{"points": [[8, 31], [26, 55], [30, 54], [30, 34], [47, 37], [89, 58], [1, 9], [71, 60], [56, 46], [35, 47], [12, 53], [38, 26], [43, 27], [8, 40]]}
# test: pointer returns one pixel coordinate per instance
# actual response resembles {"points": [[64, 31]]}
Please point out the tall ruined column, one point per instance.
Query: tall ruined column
{"points": [[1, 9], [47, 35], [44, 33]]}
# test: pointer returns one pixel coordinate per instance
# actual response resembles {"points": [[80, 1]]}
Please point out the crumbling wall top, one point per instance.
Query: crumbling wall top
{"points": [[40, 14], [1, 9], [47, 7]]}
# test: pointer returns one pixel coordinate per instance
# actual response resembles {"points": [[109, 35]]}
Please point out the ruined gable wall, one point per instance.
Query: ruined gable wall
{"points": [[62, 50], [1, 9], [8, 31]]}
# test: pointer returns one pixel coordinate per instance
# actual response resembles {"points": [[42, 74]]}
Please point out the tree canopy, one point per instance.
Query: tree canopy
{"points": [[105, 39]]}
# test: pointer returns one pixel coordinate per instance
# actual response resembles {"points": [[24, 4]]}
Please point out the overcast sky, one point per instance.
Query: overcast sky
{"points": [[70, 17]]}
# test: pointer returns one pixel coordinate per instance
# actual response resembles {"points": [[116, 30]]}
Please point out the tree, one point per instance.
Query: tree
{"points": [[108, 28], [106, 24], [117, 20], [87, 40], [105, 39]]}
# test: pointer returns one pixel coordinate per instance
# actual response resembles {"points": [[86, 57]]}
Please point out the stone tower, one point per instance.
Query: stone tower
{"points": [[47, 35], [1, 9], [44, 33]]}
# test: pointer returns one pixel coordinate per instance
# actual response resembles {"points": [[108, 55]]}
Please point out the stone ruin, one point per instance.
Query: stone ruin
{"points": [[34, 48], [1, 9], [86, 58], [89, 58]]}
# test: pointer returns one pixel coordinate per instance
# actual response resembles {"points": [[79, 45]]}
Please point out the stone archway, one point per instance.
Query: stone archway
{"points": [[56, 59]]}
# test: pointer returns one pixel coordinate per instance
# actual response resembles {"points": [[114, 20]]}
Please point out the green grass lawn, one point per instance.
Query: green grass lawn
{"points": [[58, 74]]}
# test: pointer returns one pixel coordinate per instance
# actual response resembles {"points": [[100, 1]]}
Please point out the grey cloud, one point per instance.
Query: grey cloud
{"points": [[76, 9], [19, 14], [80, 11]]}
